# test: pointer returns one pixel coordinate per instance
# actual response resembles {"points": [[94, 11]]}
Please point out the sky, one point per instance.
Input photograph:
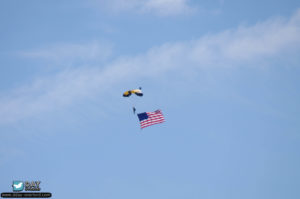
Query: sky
{"points": [[224, 73]]}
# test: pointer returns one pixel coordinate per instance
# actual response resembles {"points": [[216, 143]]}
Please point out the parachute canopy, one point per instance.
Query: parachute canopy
{"points": [[138, 92]]}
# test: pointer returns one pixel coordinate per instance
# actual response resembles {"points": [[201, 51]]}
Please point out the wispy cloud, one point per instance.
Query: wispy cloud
{"points": [[157, 7], [235, 48], [70, 52], [167, 7]]}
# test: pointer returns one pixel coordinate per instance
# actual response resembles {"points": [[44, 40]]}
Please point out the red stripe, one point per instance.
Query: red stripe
{"points": [[153, 119], [143, 126], [150, 121], [146, 125]]}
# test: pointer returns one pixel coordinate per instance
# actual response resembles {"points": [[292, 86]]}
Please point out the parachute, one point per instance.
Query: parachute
{"points": [[138, 92]]}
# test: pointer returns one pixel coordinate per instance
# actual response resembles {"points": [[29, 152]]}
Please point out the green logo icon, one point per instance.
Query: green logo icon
{"points": [[18, 186]]}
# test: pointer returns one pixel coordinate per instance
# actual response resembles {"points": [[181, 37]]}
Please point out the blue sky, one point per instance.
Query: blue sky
{"points": [[224, 73]]}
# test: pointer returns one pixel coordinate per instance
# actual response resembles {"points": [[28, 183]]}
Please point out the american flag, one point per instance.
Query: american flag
{"points": [[150, 118]]}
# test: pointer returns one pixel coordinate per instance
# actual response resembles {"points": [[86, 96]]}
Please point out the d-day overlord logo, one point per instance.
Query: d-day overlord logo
{"points": [[26, 189]]}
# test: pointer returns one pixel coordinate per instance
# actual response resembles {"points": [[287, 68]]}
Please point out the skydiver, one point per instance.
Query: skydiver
{"points": [[133, 108]]}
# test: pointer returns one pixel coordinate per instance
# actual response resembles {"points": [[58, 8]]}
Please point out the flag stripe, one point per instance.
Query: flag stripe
{"points": [[149, 124], [151, 121]]}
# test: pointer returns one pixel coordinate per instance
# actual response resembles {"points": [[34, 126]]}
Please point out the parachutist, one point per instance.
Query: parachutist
{"points": [[133, 108]]}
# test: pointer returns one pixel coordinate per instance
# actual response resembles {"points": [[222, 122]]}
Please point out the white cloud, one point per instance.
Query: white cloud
{"points": [[235, 48], [157, 7], [66, 52], [167, 7]]}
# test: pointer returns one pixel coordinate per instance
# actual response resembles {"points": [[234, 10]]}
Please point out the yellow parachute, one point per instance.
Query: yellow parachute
{"points": [[138, 92]]}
